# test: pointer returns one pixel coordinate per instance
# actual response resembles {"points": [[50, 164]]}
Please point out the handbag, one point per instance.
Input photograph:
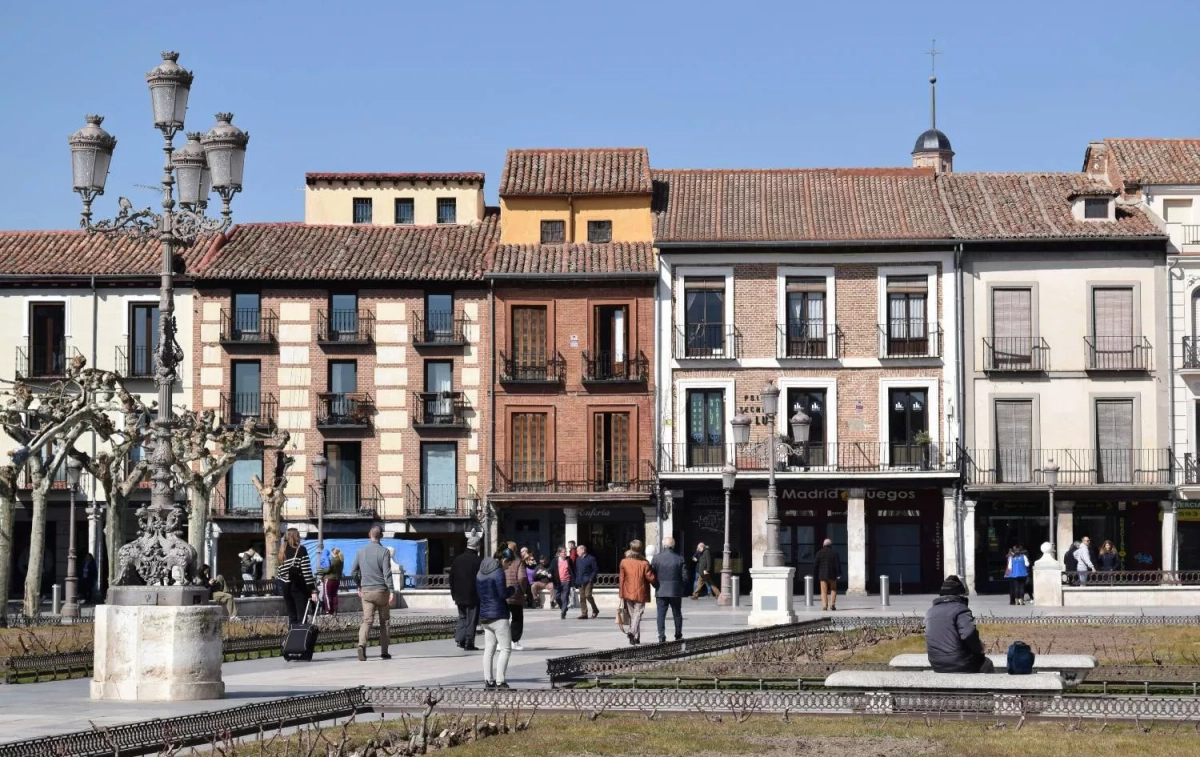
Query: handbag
{"points": [[622, 618]]}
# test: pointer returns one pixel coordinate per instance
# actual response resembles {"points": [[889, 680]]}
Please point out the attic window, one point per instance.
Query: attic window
{"points": [[1096, 208]]}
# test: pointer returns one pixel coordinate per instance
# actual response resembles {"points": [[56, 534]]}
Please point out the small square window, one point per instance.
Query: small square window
{"points": [[599, 232], [447, 210], [362, 209], [405, 215], [554, 232], [1096, 208]]}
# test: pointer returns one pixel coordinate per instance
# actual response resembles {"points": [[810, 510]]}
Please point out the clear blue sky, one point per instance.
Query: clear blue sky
{"points": [[448, 86]]}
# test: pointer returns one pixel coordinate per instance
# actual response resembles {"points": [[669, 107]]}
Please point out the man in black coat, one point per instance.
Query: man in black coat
{"points": [[704, 577], [465, 594], [828, 567], [951, 639], [670, 570]]}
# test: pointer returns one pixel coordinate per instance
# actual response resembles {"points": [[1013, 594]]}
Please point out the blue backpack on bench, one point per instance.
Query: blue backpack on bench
{"points": [[1020, 659]]}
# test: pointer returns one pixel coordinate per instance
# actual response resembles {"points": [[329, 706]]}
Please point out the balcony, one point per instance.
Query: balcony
{"points": [[436, 501], [1118, 353], [249, 326], [1077, 467], [349, 411], [1016, 354], [1190, 359], [346, 500], [826, 458], [810, 340], [444, 410], [239, 407], [57, 481], [910, 338], [713, 341], [135, 362], [237, 501], [532, 370], [615, 478], [610, 368], [1191, 233], [45, 363], [439, 330], [345, 328], [1191, 469]]}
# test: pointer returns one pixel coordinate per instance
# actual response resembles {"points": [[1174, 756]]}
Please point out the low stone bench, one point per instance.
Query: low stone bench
{"points": [[1074, 668], [926, 680]]}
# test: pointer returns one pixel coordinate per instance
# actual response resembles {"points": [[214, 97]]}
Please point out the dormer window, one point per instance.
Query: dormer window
{"points": [[1096, 208]]}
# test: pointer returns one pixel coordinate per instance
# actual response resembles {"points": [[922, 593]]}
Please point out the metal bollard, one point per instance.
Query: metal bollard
{"points": [[808, 591], [735, 590], [56, 599], [885, 591]]}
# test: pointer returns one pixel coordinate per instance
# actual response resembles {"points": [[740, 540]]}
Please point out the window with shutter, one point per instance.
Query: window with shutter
{"points": [[706, 427], [529, 451], [529, 343], [1012, 328], [1014, 441], [1112, 328], [907, 327], [1177, 211], [1114, 441], [806, 321], [610, 450], [704, 317]]}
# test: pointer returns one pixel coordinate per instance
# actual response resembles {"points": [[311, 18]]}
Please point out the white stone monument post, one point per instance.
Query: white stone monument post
{"points": [[1047, 580]]}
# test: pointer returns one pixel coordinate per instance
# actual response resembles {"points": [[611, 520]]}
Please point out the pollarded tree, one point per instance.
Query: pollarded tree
{"points": [[274, 497], [8, 493]]}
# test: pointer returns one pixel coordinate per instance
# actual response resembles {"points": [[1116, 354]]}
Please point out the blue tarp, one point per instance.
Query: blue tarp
{"points": [[410, 554]]}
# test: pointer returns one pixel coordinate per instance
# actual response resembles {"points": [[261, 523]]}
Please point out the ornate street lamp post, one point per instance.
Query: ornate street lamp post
{"points": [[770, 404], [320, 466], [1051, 474], [71, 608], [209, 162], [741, 435]]}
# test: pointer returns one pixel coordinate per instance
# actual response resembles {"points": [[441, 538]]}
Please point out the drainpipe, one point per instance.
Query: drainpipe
{"points": [[570, 219], [1172, 266], [658, 389], [959, 505], [492, 399]]}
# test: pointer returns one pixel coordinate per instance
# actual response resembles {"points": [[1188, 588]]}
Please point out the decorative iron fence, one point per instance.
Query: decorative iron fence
{"points": [[553, 477], [707, 341], [814, 457], [1104, 578], [347, 327], [135, 361], [447, 410], [1118, 353], [346, 500], [809, 340], [1025, 354], [249, 326], [439, 329], [39, 361], [346, 410], [440, 501], [533, 370], [239, 407], [910, 338], [606, 367], [1077, 467]]}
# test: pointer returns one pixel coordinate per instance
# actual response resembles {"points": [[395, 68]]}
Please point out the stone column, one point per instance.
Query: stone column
{"points": [[1065, 532], [650, 516], [211, 540], [856, 541], [969, 545], [95, 515], [1047, 580], [570, 525], [1170, 532], [949, 534], [758, 526]]}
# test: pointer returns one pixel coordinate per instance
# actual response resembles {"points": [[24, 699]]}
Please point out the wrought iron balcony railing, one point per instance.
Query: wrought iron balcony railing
{"points": [[135, 361], [45, 362], [530, 369], [345, 500], [237, 501], [1118, 353], [1191, 469], [1133, 578], [249, 326], [814, 457], [910, 338], [1191, 233], [441, 501], [708, 341], [809, 340], [446, 410], [1076, 467], [345, 327], [1191, 354], [439, 329], [1016, 354], [552, 477], [238, 407], [605, 367], [344, 410]]}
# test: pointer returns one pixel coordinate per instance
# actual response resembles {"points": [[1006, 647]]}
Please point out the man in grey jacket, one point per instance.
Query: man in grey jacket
{"points": [[951, 639], [671, 570], [372, 572], [1083, 560]]}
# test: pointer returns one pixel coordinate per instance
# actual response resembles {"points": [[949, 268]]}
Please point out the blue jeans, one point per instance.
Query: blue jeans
{"points": [[676, 605], [563, 594], [1083, 576]]}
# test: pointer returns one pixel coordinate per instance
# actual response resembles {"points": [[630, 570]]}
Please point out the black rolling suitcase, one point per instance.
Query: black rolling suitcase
{"points": [[302, 637]]}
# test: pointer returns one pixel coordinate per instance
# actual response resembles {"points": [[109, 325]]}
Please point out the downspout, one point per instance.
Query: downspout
{"points": [[1172, 265], [492, 400], [657, 435], [959, 505], [93, 546], [570, 219]]}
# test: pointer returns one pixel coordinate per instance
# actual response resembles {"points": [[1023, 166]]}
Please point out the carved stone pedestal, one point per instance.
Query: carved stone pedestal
{"points": [[772, 596]]}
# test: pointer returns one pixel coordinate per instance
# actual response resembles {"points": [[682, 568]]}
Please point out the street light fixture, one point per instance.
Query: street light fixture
{"points": [[214, 160], [71, 608], [320, 466], [770, 403], [728, 479], [1051, 474], [801, 424]]}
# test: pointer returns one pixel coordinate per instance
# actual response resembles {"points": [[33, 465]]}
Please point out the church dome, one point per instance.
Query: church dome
{"points": [[932, 140]]}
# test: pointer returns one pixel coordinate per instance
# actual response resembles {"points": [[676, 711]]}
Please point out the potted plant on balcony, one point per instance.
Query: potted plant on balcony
{"points": [[924, 443]]}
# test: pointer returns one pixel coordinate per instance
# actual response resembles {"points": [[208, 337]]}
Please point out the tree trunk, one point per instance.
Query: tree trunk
{"points": [[114, 532], [7, 518], [37, 544], [271, 532], [198, 520]]}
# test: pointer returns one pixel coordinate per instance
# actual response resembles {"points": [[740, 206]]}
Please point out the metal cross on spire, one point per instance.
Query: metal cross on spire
{"points": [[933, 53]]}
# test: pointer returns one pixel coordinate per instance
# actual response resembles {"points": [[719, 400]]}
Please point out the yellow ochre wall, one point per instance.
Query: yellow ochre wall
{"points": [[521, 217]]}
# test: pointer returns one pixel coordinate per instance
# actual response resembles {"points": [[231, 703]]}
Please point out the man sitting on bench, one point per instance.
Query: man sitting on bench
{"points": [[951, 639]]}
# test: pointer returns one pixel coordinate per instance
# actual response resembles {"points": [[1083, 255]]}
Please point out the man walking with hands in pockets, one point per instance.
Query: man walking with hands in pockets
{"points": [[372, 572]]}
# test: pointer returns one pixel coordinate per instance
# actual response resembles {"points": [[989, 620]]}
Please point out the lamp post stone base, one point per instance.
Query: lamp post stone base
{"points": [[772, 596], [1047, 579], [163, 652]]}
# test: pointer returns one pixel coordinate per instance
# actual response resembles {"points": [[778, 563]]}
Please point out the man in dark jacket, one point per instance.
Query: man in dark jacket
{"points": [[828, 567], [465, 594], [704, 577], [951, 639], [671, 572], [562, 571], [586, 570]]}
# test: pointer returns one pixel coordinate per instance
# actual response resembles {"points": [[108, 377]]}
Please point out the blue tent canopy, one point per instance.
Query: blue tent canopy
{"points": [[409, 554]]}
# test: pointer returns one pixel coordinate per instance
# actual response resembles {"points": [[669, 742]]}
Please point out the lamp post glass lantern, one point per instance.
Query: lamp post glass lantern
{"points": [[70, 609], [1051, 474], [212, 162]]}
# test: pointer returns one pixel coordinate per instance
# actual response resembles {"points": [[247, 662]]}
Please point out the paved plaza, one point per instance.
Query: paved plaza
{"points": [[42, 709]]}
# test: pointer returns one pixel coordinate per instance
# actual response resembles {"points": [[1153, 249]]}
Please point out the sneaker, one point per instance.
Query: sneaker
{"points": [[516, 645], [362, 654], [503, 685], [385, 656]]}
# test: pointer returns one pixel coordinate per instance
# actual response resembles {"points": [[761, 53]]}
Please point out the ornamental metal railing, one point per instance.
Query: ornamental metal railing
{"points": [[910, 338], [1024, 354], [345, 500], [553, 477], [1191, 233], [249, 326], [707, 341], [808, 340], [1076, 467], [1118, 353], [1191, 469], [533, 369], [607, 367], [40, 361], [345, 327], [445, 410], [134, 361], [1190, 357], [239, 407], [237, 501], [345, 410], [439, 329], [1105, 578], [440, 501], [813, 457]]}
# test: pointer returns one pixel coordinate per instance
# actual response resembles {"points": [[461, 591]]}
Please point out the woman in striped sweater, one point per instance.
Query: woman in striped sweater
{"points": [[296, 576]]}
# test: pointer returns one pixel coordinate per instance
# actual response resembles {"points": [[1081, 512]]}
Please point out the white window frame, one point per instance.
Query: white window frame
{"points": [[933, 405], [783, 418], [782, 275], [931, 298], [48, 299], [729, 386], [135, 299], [680, 285]]}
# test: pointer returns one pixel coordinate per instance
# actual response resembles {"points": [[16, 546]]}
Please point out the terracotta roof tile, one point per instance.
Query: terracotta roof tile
{"points": [[78, 253], [301, 251], [310, 178], [590, 171], [618, 257], [1156, 161]]}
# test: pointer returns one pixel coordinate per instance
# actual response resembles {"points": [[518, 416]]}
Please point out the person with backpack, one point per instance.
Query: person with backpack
{"points": [[1017, 573]]}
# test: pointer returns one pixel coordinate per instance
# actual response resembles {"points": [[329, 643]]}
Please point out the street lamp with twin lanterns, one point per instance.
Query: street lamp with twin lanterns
{"points": [[740, 424], [1050, 471], [212, 162], [71, 608]]}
